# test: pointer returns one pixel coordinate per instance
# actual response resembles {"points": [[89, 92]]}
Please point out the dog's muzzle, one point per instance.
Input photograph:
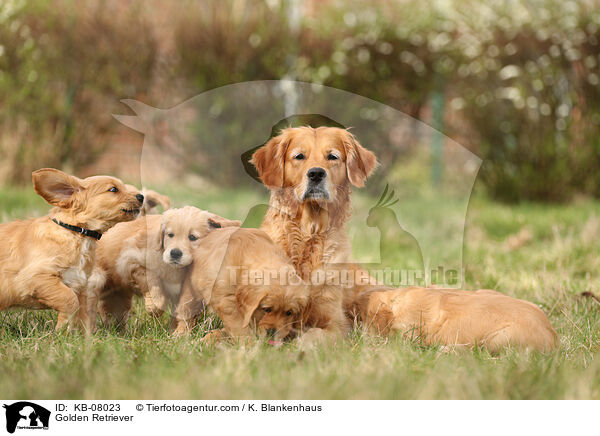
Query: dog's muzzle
{"points": [[316, 185]]}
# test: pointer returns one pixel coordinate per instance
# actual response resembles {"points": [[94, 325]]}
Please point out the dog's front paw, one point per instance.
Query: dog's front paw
{"points": [[155, 304]]}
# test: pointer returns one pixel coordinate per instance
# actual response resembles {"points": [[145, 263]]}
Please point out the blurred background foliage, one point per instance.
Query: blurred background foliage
{"points": [[520, 78]]}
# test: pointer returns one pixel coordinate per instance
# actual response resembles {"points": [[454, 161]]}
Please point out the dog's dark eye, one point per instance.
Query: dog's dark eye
{"points": [[299, 156], [192, 238], [288, 313], [332, 157], [267, 309], [113, 189], [170, 235]]}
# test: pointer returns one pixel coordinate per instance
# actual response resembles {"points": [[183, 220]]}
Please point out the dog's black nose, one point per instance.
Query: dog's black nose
{"points": [[316, 174], [271, 332], [140, 198], [176, 253]]}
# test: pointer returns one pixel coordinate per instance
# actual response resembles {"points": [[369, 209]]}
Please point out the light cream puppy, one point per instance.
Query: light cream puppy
{"points": [[45, 262], [148, 257], [453, 317]]}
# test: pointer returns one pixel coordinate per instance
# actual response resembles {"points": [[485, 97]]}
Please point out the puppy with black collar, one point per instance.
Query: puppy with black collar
{"points": [[45, 262]]}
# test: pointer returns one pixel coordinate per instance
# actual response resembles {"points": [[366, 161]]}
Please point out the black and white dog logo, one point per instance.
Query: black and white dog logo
{"points": [[26, 415]]}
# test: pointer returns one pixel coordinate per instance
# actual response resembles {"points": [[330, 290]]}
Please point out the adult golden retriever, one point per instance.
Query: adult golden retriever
{"points": [[310, 172]]}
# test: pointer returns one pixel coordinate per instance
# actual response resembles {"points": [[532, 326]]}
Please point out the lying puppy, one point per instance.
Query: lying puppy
{"points": [[458, 318], [148, 257], [248, 281], [45, 262]]}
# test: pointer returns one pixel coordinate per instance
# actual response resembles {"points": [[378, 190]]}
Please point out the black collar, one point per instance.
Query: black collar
{"points": [[85, 232]]}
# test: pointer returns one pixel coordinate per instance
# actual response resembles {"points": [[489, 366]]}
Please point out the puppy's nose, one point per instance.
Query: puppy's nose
{"points": [[176, 253], [271, 332], [140, 198], [316, 174]]}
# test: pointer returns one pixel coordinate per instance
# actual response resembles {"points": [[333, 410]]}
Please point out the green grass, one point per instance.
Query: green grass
{"points": [[552, 258]]}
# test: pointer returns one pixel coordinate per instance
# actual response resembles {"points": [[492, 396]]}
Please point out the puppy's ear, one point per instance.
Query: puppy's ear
{"points": [[248, 299], [218, 222], [360, 162], [153, 199], [150, 202], [56, 187], [269, 160], [160, 240]]}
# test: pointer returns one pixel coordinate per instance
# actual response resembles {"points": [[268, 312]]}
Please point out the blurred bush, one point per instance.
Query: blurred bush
{"points": [[62, 65], [218, 43], [521, 77], [528, 87], [392, 52]]}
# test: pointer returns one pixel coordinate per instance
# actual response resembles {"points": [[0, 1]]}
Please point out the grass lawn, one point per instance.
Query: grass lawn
{"points": [[542, 253]]}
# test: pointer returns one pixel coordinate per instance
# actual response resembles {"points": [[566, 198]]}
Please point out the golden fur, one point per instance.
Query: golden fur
{"points": [[458, 318], [270, 298], [309, 223], [137, 258], [43, 265]]}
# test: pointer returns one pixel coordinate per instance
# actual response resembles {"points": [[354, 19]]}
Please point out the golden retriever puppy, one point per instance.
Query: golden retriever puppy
{"points": [[148, 257], [248, 281], [45, 262], [309, 172], [458, 318]]}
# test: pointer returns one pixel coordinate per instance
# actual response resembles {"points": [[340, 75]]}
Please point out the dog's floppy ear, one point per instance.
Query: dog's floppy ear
{"points": [[270, 159], [160, 239], [360, 162], [218, 222], [153, 199], [56, 187], [248, 299]]}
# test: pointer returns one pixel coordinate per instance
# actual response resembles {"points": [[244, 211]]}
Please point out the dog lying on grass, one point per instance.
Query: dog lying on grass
{"points": [[148, 257], [247, 280], [45, 262], [457, 318]]}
